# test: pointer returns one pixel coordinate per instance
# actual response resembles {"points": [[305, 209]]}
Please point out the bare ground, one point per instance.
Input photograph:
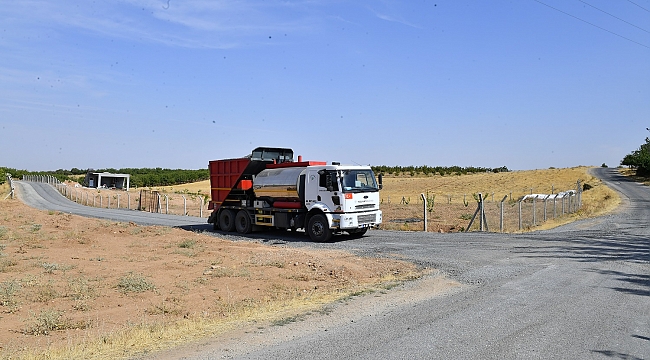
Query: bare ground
{"points": [[86, 288]]}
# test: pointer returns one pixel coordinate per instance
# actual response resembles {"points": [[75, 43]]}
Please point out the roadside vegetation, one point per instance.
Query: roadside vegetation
{"points": [[639, 160]]}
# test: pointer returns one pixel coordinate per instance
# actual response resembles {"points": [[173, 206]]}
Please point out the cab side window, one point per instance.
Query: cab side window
{"points": [[328, 179]]}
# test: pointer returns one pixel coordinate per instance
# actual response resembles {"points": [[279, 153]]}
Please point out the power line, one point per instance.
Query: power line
{"points": [[615, 17], [594, 25], [639, 6]]}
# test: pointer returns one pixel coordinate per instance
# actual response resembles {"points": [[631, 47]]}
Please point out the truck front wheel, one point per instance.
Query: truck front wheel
{"points": [[319, 229], [226, 220], [243, 222]]}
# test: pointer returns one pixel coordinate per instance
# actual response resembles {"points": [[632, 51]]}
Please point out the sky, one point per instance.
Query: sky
{"points": [[527, 84]]}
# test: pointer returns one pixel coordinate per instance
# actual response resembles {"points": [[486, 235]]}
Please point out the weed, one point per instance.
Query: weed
{"points": [[49, 268], [36, 227], [288, 320], [7, 291], [220, 271], [5, 263], [45, 293], [80, 288], [3, 231], [134, 283], [170, 306], [187, 244], [51, 320], [465, 216]]}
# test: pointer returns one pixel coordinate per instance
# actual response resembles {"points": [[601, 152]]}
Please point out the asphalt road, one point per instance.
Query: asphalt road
{"points": [[581, 291], [46, 197]]}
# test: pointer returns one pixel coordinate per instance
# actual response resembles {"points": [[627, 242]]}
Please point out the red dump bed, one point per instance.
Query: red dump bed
{"points": [[224, 176]]}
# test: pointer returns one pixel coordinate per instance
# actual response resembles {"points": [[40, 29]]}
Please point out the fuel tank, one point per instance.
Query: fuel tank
{"points": [[278, 184]]}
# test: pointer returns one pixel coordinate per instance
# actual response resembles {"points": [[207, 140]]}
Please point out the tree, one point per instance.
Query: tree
{"points": [[639, 159]]}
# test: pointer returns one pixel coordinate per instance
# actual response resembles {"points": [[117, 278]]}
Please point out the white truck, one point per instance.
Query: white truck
{"points": [[268, 189]]}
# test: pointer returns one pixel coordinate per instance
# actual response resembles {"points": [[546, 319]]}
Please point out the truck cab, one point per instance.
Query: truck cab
{"points": [[347, 197]]}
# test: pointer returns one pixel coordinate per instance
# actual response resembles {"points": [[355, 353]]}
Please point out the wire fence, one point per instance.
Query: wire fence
{"points": [[478, 212], [142, 200], [12, 189]]}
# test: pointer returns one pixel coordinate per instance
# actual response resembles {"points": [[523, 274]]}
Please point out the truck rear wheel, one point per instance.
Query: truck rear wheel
{"points": [[227, 220], [243, 222], [319, 229]]}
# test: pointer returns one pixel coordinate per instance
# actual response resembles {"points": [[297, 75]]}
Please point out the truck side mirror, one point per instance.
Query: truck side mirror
{"points": [[381, 181]]}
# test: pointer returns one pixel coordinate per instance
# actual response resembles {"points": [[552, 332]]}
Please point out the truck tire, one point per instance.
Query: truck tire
{"points": [[227, 220], [243, 222], [319, 229], [358, 233]]}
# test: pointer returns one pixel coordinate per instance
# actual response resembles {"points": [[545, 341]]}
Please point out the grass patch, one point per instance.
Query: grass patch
{"points": [[187, 244], [134, 283], [48, 321], [8, 291], [80, 288]]}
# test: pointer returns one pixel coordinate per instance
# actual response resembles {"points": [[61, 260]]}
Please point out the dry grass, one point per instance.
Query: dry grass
{"points": [[200, 187], [454, 202]]}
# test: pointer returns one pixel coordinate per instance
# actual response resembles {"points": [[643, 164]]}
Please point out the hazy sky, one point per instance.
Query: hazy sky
{"points": [[176, 83]]}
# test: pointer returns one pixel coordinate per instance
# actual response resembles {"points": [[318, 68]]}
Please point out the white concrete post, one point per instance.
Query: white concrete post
{"points": [[424, 202]]}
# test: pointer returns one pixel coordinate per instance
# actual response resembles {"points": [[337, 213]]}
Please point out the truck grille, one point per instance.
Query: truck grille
{"points": [[367, 219], [365, 206]]}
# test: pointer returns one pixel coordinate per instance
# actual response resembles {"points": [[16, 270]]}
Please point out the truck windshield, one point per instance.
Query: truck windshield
{"points": [[358, 181]]}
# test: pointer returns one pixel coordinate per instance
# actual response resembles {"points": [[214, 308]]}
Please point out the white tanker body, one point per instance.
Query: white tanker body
{"points": [[322, 199]]}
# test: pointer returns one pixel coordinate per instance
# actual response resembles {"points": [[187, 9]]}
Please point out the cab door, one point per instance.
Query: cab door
{"points": [[321, 185]]}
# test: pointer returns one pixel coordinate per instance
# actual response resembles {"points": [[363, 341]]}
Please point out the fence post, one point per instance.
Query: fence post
{"points": [[101, 201], [184, 205], [202, 204], [424, 207], [534, 212], [118, 201], [520, 224], [579, 195], [501, 217], [159, 203], [545, 200], [128, 201], [166, 204], [554, 207], [108, 199], [480, 206]]}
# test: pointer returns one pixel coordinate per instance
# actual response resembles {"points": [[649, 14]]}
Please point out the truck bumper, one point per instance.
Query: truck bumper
{"points": [[355, 220]]}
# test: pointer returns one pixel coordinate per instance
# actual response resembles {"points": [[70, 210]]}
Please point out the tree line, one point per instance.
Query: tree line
{"points": [[140, 177], [434, 170], [153, 177]]}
